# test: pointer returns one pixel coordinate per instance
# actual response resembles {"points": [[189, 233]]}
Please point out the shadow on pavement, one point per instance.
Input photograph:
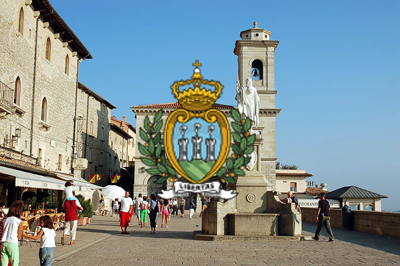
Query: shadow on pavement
{"points": [[383, 243]]}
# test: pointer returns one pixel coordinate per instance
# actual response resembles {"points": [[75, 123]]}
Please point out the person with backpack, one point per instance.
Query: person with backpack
{"points": [[153, 213]]}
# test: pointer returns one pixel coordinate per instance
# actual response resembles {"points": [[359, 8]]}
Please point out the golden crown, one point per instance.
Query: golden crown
{"points": [[197, 99]]}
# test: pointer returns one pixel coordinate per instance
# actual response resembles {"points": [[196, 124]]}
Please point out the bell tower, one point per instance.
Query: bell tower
{"points": [[256, 60]]}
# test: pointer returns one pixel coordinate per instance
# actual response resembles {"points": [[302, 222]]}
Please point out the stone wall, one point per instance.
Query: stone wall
{"points": [[374, 222], [381, 223], [309, 215]]}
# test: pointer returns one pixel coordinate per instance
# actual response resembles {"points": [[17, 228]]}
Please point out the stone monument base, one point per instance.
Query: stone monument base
{"points": [[253, 224]]}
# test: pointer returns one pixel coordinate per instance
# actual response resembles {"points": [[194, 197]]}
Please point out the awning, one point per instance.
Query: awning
{"points": [[26, 179], [80, 183]]}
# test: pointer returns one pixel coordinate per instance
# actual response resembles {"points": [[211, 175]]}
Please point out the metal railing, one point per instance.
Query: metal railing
{"points": [[15, 155], [6, 96]]}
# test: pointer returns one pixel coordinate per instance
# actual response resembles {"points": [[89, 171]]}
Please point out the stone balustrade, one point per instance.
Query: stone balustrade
{"points": [[374, 222]]}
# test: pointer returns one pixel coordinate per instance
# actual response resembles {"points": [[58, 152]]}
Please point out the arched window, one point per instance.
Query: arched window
{"points": [[44, 110], [257, 70], [67, 65], [21, 21], [17, 92], [48, 49]]}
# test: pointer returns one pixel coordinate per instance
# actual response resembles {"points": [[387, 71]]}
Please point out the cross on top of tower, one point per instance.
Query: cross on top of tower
{"points": [[197, 64]]}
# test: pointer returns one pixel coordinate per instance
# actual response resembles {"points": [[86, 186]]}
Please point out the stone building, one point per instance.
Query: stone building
{"points": [[93, 132], [131, 130], [118, 164], [40, 57]]}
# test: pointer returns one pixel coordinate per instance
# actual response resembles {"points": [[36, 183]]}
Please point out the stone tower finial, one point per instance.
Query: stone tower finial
{"points": [[255, 25]]}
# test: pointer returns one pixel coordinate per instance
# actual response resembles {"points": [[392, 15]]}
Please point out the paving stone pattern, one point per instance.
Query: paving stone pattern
{"points": [[101, 243]]}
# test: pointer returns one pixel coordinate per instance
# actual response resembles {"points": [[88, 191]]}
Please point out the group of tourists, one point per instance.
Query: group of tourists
{"points": [[153, 208], [11, 229]]}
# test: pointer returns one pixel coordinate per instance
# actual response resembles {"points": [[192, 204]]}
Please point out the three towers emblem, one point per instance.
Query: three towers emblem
{"points": [[196, 145]]}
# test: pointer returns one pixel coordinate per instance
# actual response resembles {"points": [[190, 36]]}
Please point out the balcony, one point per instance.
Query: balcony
{"points": [[15, 155], [6, 100]]}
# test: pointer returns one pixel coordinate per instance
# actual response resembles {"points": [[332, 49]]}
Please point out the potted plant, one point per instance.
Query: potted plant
{"points": [[87, 210]]}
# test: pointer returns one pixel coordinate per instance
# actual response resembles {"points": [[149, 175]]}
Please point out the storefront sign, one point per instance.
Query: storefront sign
{"points": [[80, 164]]}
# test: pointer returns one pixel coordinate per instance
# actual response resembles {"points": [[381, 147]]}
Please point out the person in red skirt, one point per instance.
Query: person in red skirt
{"points": [[126, 212]]}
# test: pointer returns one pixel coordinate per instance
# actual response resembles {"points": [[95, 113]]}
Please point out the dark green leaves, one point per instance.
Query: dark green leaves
{"points": [[238, 172], [151, 146], [236, 137], [229, 163], [158, 151], [221, 171], [153, 171], [148, 162], [143, 135], [170, 170], [158, 126], [249, 150], [158, 115], [157, 138], [239, 162], [161, 180], [247, 124], [147, 124], [230, 180], [237, 127], [251, 139], [236, 149], [143, 150], [243, 144], [236, 115], [161, 168]]}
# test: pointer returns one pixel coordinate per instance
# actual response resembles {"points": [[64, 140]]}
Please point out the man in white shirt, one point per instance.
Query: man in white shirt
{"points": [[126, 212], [138, 204]]}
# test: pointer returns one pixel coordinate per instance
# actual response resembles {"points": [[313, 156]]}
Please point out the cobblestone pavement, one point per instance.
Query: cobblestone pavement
{"points": [[101, 243]]}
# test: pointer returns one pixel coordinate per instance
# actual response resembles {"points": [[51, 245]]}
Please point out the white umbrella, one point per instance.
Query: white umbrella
{"points": [[113, 192]]}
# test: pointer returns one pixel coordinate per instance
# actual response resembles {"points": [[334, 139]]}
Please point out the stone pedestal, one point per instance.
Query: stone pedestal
{"points": [[251, 190], [253, 224], [215, 219]]}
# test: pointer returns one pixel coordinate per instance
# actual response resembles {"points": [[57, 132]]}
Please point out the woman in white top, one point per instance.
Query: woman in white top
{"points": [[12, 231], [47, 242]]}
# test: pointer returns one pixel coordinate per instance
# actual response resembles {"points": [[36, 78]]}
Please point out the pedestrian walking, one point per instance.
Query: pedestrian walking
{"points": [[192, 207], [138, 204], [175, 207], [165, 212], [126, 212], [182, 206], [143, 212], [153, 213], [71, 208], [47, 240], [12, 232], [323, 217], [116, 207]]}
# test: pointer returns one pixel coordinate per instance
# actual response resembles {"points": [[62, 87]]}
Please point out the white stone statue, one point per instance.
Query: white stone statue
{"points": [[252, 162], [248, 101]]}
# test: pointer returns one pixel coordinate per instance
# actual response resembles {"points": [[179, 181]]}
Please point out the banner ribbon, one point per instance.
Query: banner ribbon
{"points": [[211, 189]]}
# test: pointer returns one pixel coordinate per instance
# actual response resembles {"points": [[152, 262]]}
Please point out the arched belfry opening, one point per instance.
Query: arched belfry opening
{"points": [[257, 70]]}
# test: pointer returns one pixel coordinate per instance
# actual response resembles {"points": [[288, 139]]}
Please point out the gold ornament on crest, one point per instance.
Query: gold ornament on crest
{"points": [[197, 99]]}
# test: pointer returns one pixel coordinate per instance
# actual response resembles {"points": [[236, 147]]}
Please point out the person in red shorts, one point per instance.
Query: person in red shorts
{"points": [[126, 211]]}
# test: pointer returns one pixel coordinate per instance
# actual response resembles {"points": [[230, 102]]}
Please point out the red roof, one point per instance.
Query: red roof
{"points": [[176, 105], [293, 174], [315, 191]]}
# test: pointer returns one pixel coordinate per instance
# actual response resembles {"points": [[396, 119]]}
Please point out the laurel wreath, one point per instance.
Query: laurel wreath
{"points": [[155, 155]]}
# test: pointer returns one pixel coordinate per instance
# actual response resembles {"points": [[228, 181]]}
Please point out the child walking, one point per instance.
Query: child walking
{"points": [[12, 231], [47, 242]]}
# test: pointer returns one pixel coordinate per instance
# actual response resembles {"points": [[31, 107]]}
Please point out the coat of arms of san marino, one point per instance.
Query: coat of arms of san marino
{"points": [[199, 151]]}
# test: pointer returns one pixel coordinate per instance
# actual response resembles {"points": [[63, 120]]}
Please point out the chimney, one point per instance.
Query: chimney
{"points": [[124, 123], [316, 186]]}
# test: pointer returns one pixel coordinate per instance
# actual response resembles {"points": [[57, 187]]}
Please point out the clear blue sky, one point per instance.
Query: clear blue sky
{"points": [[337, 72]]}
